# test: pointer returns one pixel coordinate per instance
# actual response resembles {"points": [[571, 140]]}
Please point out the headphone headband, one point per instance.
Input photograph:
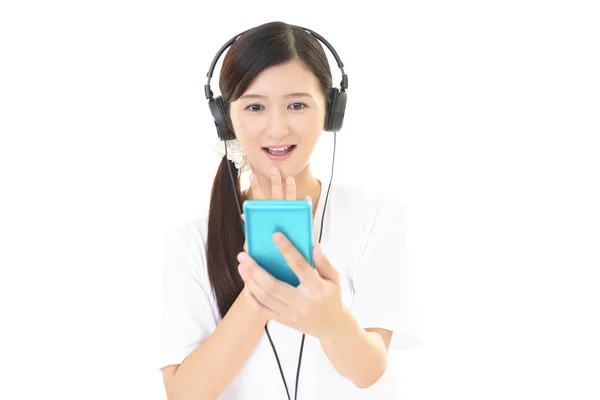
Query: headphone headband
{"points": [[208, 92]]}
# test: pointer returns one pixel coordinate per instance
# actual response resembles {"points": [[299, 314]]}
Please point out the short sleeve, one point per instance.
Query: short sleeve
{"points": [[187, 316], [382, 281]]}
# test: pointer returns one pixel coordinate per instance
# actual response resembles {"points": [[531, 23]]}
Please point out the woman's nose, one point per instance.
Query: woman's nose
{"points": [[277, 124]]}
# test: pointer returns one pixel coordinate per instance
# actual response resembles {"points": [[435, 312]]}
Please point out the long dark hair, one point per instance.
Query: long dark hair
{"points": [[261, 47]]}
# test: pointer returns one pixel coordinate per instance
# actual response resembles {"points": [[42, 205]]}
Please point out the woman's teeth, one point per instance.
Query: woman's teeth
{"points": [[280, 151]]}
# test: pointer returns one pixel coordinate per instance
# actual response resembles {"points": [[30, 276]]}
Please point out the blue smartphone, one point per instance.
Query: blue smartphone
{"points": [[291, 217]]}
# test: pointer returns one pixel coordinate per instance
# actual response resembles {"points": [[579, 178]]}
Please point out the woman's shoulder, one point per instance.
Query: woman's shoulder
{"points": [[371, 199], [191, 231], [185, 244]]}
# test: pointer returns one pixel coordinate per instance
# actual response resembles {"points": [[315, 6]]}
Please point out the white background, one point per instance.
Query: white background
{"points": [[483, 116]]}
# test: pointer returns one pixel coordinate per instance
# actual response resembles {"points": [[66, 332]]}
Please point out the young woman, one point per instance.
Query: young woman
{"points": [[229, 329]]}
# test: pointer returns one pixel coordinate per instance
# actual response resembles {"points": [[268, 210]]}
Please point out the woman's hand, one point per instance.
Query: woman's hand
{"points": [[314, 307], [277, 190]]}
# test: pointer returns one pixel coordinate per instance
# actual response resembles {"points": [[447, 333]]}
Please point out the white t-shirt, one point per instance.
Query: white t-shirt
{"points": [[364, 239]]}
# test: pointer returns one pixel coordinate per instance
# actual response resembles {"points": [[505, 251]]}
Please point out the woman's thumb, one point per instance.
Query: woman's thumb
{"points": [[323, 266]]}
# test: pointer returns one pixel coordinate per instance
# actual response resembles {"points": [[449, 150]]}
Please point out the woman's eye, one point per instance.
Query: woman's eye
{"points": [[257, 107], [254, 107], [298, 106]]}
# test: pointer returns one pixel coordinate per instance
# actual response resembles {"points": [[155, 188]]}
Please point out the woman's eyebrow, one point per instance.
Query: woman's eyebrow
{"points": [[299, 94], [260, 96]]}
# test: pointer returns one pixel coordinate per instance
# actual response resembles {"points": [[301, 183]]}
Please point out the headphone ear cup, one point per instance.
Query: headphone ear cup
{"points": [[220, 113], [330, 106], [336, 110]]}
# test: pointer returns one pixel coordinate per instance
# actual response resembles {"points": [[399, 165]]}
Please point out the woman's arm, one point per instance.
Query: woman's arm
{"points": [[209, 369], [358, 354], [315, 307]]}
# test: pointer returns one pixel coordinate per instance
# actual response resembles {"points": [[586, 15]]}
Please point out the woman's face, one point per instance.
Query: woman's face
{"points": [[283, 106]]}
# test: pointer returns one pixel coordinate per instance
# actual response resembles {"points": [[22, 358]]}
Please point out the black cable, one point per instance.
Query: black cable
{"points": [[233, 186], [298, 369], [278, 363], [320, 235], [242, 222]]}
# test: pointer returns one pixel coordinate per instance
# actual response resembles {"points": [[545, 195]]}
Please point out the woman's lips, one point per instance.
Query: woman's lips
{"points": [[279, 156]]}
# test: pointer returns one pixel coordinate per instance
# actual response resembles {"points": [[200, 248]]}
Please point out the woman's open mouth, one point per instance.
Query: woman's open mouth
{"points": [[279, 153]]}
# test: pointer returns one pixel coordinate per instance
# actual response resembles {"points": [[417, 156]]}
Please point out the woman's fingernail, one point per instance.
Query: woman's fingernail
{"points": [[252, 177], [242, 257], [289, 180], [278, 237], [273, 171]]}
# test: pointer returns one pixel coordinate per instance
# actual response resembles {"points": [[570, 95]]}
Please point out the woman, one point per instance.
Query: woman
{"points": [[229, 329]]}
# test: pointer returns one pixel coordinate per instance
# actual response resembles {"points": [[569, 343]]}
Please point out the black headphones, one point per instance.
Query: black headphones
{"points": [[336, 104]]}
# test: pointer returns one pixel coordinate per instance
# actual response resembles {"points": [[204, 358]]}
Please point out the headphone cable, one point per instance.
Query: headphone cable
{"points": [[320, 235]]}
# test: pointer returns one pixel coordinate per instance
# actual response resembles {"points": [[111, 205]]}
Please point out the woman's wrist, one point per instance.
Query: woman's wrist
{"points": [[342, 325], [249, 310]]}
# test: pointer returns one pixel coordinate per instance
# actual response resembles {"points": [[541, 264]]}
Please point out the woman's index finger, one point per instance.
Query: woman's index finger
{"points": [[256, 189]]}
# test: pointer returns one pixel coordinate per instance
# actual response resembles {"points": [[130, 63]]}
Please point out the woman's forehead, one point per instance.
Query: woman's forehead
{"points": [[284, 80]]}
